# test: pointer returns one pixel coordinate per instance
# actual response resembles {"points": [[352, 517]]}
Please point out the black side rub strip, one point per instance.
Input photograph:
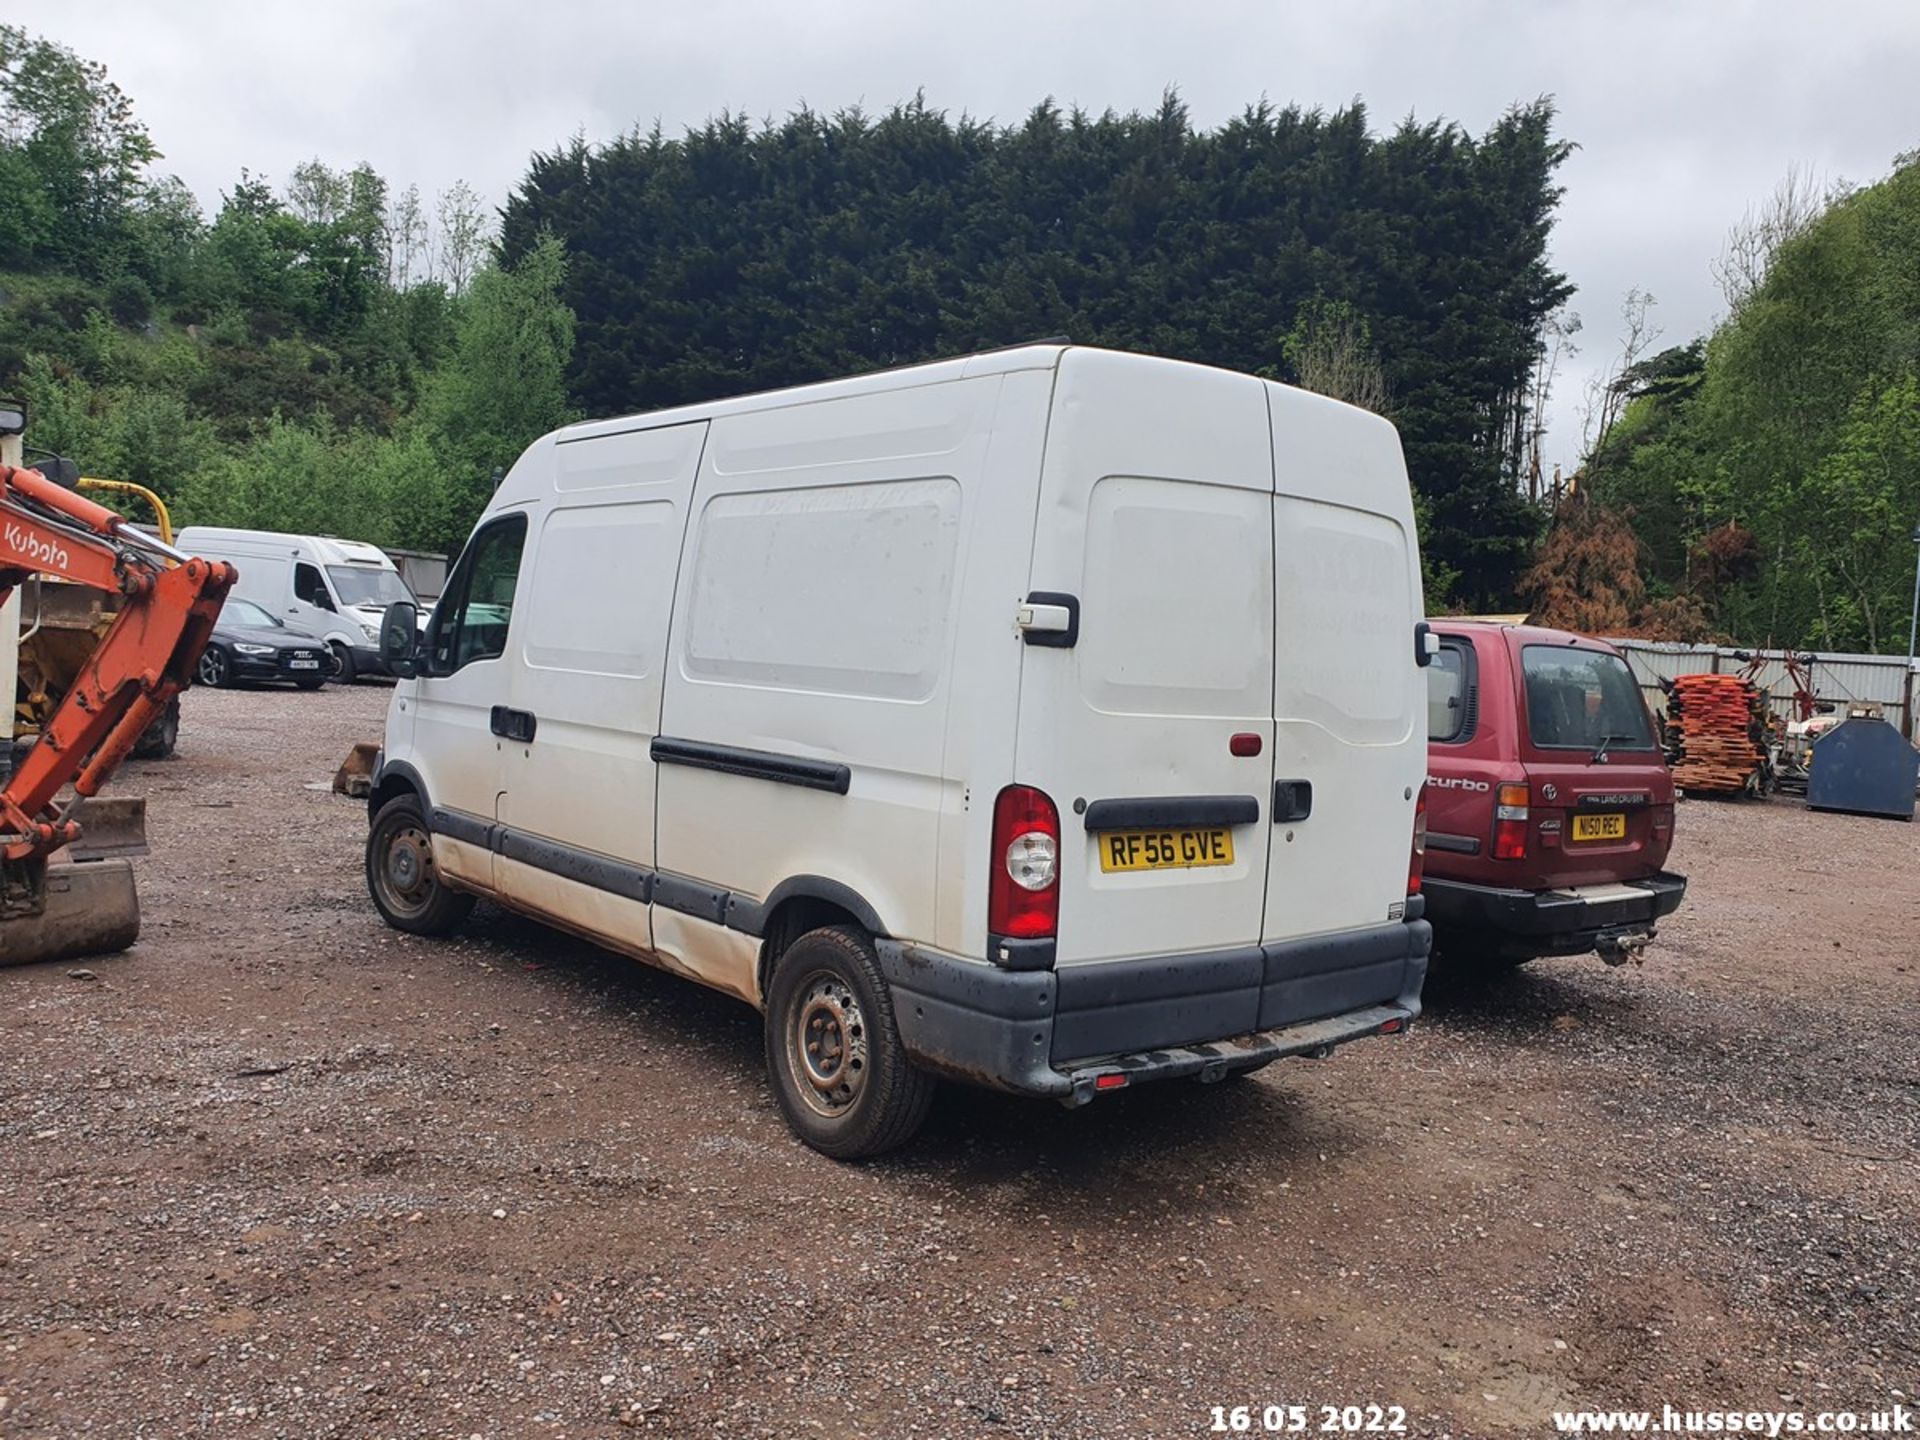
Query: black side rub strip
{"points": [[1155, 810], [602, 872], [754, 764], [458, 825]]}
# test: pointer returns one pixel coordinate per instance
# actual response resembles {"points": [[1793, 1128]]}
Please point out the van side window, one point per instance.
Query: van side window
{"points": [[308, 586], [1450, 694], [474, 613]]}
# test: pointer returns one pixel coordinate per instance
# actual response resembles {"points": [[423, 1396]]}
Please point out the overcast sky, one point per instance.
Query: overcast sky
{"points": [[1685, 113]]}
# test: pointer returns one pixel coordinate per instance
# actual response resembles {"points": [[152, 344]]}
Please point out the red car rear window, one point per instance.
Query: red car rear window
{"points": [[1579, 699]]}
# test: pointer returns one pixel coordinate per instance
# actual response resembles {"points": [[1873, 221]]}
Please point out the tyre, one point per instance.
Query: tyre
{"points": [[343, 670], [159, 738], [215, 668], [406, 889], [841, 1075], [309, 682]]}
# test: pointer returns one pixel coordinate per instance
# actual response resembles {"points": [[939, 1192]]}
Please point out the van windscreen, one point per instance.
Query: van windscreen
{"points": [[1580, 699], [367, 585]]}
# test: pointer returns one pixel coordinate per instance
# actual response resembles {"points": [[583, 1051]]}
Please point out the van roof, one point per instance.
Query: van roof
{"points": [[1041, 355], [328, 549]]}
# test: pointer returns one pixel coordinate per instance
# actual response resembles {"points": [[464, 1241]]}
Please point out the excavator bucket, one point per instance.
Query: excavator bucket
{"points": [[111, 829], [86, 904], [355, 775], [91, 909]]}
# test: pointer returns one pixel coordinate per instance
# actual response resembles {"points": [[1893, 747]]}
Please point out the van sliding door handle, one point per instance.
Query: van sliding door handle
{"points": [[1292, 800], [515, 725]]}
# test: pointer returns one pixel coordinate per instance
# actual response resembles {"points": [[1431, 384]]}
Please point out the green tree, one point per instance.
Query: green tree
{"points": [[505, 383], [744, 256], [1792, 427], [79, 156]]}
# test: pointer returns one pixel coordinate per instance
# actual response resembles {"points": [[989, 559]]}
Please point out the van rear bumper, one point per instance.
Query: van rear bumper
{"points": [[1055, 1033]]}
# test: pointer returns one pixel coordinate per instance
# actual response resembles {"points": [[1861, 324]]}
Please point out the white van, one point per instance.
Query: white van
{"points": [[335, 590], [1048, 719]]}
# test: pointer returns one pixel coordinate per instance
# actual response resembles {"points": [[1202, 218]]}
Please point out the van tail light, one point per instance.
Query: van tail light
{"points": [[1510, 822], [1023, 895], [1417, 863]]}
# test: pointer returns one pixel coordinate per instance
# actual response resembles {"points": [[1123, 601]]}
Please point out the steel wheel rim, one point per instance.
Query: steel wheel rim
{"points": [[213, 667], [405, 871], [827, 1045]]}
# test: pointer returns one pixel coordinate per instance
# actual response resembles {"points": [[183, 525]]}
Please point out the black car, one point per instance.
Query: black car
{"points": [[250, 643]]}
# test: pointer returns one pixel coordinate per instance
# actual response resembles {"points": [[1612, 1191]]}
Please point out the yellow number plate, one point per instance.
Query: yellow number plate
{"points": [[1180, 849], [1599, 827]]}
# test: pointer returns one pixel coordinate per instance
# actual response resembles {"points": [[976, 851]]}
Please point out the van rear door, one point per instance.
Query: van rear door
{"points": [[1155, 517], [1349, 701]]}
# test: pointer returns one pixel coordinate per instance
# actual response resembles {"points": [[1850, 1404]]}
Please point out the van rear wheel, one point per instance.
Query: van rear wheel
{"points": [[406, 888], [841, 1075]]}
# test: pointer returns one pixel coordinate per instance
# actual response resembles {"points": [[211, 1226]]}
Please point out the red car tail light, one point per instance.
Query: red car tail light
{"points": [[1023, 894], [1418, 862], [1510, 822]]}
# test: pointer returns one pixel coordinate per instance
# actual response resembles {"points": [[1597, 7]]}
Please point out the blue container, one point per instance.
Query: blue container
{"points": [[1865, 767]]}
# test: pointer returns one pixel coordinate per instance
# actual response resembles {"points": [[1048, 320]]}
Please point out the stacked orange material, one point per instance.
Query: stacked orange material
{"points": [[1716, 725]]}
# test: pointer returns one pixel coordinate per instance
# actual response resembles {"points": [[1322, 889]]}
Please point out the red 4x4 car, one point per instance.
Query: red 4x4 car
{"points": [[1549, 803]]}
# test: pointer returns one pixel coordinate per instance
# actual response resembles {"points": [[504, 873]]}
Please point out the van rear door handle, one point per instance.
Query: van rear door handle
{"points": [[1292, 800], [1049, 618], [515, 725]]}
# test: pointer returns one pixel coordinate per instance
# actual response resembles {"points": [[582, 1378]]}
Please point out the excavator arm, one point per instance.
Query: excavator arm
{"points": [[169, 604]]}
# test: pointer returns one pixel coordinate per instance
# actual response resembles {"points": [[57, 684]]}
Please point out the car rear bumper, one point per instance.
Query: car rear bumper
{"points": [[1562, 917], [1067, 1033]]}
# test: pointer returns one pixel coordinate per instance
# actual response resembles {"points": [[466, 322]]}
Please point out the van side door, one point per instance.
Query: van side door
{"points": [[310, 589], [808, 671], [577, 813], [460, 697]]}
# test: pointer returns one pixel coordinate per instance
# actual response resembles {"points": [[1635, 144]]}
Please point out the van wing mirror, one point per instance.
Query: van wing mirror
{"points": [[400, 637], [1426, 644]]}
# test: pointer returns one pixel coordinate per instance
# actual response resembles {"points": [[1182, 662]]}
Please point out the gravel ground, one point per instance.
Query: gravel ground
{"points": [[280, 1171]]}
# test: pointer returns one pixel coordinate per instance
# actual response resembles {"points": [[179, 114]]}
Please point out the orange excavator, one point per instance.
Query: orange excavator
{"points": [[54, 903]]}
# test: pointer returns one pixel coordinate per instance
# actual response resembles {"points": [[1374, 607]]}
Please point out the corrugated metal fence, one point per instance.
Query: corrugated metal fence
{"points": [[1883, 680]]}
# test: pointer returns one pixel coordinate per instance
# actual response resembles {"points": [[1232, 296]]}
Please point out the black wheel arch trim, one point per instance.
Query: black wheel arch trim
{"points": [[750, 917], [385, 770]]}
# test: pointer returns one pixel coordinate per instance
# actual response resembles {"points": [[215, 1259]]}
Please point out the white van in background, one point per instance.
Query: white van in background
{"points": [[333, 589], [1049, 719]]}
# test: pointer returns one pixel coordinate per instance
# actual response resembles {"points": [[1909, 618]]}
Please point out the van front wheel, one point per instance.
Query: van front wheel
{"points": [[843, 1079], [406, 888]]}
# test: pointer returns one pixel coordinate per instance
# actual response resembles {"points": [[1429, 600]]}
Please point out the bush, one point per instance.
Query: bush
{"points": [[129, 301]]}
